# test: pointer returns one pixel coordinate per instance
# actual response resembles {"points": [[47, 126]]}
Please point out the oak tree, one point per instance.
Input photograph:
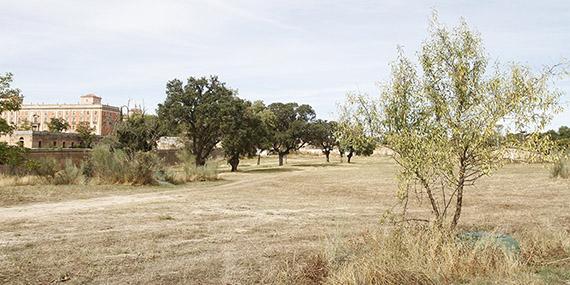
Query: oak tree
{"points": [[199, 111], [323, 136], [292, 127], [243, 134]]}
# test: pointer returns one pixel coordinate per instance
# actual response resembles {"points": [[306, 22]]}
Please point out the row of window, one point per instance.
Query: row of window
{"points": [[54, 144]]}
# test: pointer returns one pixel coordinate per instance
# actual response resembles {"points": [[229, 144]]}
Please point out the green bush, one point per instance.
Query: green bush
{"points": [[12, 157], [114, 166], [45, 167]]}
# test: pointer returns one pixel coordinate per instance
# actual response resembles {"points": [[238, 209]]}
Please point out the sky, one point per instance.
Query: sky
{"points": [[307, 51]]}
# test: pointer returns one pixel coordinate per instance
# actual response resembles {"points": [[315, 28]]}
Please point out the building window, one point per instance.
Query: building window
{"points": [[54, 143], [63, 145], [39, 144]]}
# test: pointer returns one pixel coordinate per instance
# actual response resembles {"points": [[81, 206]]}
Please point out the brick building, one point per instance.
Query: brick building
{"points": [[100, 117]]}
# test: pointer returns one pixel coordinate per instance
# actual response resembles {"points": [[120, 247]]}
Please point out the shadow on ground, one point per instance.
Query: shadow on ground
{"points": [[316, 164], [271, 170]]}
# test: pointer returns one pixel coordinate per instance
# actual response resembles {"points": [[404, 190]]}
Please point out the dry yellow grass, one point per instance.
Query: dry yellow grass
{"points": [[261, 225]]}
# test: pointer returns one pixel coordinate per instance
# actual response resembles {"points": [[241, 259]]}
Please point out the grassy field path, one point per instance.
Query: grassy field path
{"points": [[244, 229]]}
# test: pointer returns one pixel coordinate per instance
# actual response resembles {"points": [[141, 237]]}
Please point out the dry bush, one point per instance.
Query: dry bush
{"points": [[295, 268], [561, 168], [70, 174], [45, 172], [545, 247], [107, 166], [414, 255], [190, 172], [25, 180]]}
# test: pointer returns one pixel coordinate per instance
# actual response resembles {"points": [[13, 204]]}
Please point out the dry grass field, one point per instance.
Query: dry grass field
{"points": [[260, 225]]}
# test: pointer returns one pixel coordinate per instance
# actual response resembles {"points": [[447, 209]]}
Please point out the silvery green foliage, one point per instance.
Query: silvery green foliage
{"points": [[442, 118]]}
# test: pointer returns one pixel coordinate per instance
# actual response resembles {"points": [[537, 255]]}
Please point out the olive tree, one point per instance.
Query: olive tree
{"points": [[353, 140], [359, 126], [441, 118], [198, 110]]}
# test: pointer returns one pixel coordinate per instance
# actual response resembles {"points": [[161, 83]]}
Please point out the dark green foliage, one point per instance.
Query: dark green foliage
{"points": [[267, 124], [244, 133], [138, 133], [12, 156], [86, 135], [10, 100], [57, 125], [323, 136], [292, 129], [200, 111]]}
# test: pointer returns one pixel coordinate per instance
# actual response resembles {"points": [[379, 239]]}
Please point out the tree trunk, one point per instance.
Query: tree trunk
{"points": [[281, 155], [259, 159], [341, 156], [200, 161], [234, 161], [459, 199], [349, 156], [327, 154]]}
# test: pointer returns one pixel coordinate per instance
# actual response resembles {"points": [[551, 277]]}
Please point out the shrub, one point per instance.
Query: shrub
{"points": [[70, 174], [561, 168], [142, 168], [191, 172], [12, 157], [422, 255], [114, 166], [12, 180], [45, 167]]}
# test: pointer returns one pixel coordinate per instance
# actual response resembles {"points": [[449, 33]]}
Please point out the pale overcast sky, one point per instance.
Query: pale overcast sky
{"points": [[309, 51]]}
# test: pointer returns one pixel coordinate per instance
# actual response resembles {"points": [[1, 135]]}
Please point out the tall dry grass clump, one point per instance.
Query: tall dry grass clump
{"points": [[69, 174], [561, 167], [422, 255], [117, 167], [188, 171], [45, 172], [22, 180]]}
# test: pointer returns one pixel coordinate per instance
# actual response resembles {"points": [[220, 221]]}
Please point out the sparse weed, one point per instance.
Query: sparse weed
{"points": [[423, 255], [191, 172], [561, 168]]}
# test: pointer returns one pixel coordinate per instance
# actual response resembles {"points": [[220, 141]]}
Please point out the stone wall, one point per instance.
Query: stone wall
{"points": [[78, 155], [42, 140]]}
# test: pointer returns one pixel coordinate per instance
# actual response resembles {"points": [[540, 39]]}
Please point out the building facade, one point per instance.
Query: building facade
{"points": [[102, 118], [36, 139]]}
